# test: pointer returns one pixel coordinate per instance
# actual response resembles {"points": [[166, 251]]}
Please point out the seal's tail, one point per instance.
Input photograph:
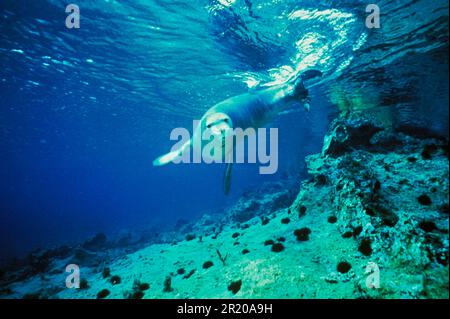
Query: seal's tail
{"points": [[299, 87], [310, 74]]}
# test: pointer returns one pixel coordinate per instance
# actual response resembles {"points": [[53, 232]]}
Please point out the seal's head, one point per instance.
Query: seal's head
{"points": [[220, 128], [218, 123]]}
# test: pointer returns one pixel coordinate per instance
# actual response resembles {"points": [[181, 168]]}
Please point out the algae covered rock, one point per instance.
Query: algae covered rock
{"points": [[346, 134], [262, 204], [384, 190], [245, 210], [96, 243]]}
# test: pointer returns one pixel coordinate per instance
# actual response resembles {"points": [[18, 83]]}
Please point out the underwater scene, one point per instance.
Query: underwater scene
{"points": [[218, 149]]}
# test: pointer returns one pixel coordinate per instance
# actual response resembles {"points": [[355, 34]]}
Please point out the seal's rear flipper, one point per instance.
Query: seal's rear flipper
{"points": [[227, 178], [300, 92], [310, 74]]}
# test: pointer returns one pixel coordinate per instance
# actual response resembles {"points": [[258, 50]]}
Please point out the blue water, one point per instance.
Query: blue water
{"points": [[85, 111]]}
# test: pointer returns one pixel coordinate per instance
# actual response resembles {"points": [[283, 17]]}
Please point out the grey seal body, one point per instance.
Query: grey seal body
{"points": [[254, 109]]}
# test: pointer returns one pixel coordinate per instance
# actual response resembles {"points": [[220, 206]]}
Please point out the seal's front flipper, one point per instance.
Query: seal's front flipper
{"points": [[166, 158], [171, 156], [227, 178]]}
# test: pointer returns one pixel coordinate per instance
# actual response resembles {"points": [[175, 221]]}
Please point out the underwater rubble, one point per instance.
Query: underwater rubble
{"points": [[371, 222]]}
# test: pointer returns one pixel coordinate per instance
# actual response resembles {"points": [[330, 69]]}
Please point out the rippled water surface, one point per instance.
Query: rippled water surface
{"points": [[85, 111]]}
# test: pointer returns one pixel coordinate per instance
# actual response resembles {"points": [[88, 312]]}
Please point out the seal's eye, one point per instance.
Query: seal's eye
{"points": [[208, 126]]}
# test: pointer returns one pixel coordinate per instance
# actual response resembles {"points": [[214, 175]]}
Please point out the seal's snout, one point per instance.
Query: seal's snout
{"points": [[218, 123]]}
